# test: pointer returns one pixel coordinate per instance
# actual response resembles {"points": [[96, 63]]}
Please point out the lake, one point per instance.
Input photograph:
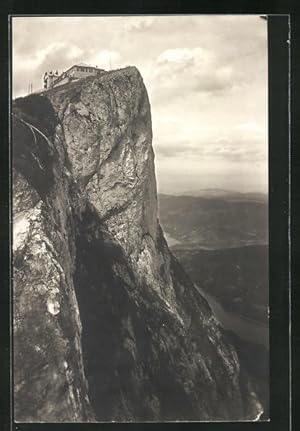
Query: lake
{"points": [[247, 329]]}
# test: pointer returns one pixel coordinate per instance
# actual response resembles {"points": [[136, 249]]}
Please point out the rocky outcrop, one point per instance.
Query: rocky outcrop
{"points": [[107, 326]]}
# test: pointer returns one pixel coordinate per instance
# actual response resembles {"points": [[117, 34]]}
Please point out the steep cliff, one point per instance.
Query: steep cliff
{"points": [[107, 326]]}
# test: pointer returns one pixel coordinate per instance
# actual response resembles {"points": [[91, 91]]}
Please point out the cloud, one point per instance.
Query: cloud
{"points": [[139, 25], [250, 127], [173, 150], [232, 151], [180, 55], [182, 71], [106, 59], [31, 68], [238, 144]]}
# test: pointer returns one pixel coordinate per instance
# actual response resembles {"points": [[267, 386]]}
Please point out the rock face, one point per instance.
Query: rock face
{"points": [[107, 326]]}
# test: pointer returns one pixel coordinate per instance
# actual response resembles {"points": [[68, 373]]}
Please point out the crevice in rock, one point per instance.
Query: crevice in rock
{"points": [[33, 126], [102, 303], [121, 334]]}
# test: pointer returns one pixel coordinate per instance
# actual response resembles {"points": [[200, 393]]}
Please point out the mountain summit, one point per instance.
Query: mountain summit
{"points": [[107, 325]]}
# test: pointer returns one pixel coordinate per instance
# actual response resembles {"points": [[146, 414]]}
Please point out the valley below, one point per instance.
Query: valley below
{"points": [[221, 242]]}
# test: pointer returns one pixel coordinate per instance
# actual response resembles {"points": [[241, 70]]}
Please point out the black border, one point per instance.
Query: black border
{"points": [[4, 230], [279, 142], [295, 217], [279, 206]]}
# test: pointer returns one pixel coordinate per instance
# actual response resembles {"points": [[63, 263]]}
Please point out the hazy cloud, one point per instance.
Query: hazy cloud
{"points": [[248, 150], [181, 71]]}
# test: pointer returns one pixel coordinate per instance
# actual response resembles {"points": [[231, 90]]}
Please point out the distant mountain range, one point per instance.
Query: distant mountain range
{"points": [[222, 193], [214, 192]]}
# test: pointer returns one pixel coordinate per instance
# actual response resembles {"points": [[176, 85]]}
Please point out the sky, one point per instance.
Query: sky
{"points": [[206, 77]]}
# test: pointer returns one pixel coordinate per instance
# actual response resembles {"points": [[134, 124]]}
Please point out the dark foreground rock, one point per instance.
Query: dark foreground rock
{"points": [[107, 326]]}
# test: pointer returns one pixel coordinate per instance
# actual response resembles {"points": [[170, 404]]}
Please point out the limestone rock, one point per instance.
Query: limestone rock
{"points": [[104, 316]]}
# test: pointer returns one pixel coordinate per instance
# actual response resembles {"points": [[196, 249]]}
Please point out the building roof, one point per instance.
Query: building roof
{"points": [[82, 65]]}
